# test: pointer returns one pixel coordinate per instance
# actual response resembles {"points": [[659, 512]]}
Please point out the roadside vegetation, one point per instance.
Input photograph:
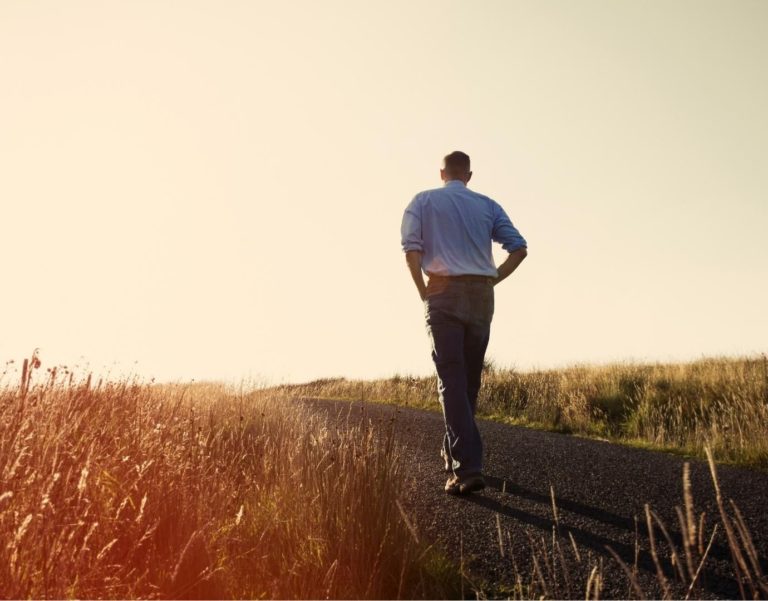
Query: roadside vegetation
{"points": [[129, 490], [123, 489], [716, 403]]}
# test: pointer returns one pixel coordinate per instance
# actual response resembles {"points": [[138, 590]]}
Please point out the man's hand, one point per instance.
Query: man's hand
{"points": [[413, 258], [512, 262]]}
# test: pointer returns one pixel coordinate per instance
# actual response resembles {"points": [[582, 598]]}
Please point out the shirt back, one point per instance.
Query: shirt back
{"points": [[454, 228]]}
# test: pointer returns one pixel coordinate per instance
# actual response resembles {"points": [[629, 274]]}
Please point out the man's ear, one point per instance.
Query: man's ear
{"points": [[469, 176], [442, 174]]}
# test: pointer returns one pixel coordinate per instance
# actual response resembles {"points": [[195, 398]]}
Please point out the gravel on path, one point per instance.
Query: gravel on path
{"points": [[600, 491]]}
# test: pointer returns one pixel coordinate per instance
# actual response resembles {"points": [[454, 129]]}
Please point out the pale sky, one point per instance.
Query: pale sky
{"points": [[214, 189]]}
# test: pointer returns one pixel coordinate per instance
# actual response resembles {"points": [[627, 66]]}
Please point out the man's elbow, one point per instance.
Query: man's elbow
{"points": [[413, 259], [521, 252]]}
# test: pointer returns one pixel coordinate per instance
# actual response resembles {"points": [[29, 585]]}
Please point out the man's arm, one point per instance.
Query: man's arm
{"points": [[511, 263], [413, 258]]}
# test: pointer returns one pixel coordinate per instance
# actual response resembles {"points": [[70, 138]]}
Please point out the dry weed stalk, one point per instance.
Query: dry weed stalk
{"points": [[748, 573], [677, 570], [688, 569]]}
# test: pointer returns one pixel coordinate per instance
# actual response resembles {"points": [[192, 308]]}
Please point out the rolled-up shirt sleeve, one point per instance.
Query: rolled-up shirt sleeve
{"points": [[410, 230], [504, 232]]}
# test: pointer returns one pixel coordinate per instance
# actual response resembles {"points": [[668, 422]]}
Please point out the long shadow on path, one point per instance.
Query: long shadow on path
{"points": [[631, 555], [718, 551]]}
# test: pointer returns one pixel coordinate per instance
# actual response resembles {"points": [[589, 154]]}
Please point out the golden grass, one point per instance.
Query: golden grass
{"points": [[127, 490], [719, 403]]}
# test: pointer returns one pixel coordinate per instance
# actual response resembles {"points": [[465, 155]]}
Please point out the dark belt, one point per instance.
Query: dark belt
{"points": [[483, 279]]}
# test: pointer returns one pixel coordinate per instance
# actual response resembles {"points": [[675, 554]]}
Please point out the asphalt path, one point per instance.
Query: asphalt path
{"points": [[600, 492]]}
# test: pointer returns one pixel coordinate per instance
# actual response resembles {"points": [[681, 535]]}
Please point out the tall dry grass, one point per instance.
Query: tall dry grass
{"points": [[718, 403], [128, 490], [119, 489]]}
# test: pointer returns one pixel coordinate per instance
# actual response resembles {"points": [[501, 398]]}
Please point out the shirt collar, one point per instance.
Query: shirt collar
{"points": [[452, 183]]}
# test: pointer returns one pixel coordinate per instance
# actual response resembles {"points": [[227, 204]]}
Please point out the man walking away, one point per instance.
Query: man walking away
{"points": [[447, 233]]}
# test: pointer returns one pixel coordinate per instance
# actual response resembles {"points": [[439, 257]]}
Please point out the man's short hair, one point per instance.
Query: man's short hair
{"points": [[456, 163]]}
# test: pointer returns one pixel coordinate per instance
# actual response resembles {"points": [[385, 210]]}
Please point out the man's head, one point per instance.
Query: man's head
{"points": [[456, 166]]}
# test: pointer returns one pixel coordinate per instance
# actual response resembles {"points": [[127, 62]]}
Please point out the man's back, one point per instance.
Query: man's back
{"points": [[454, 227]]}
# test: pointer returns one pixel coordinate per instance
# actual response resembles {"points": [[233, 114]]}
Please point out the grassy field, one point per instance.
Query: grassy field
{"points": [[125, 490], [717, 403], [132, 490]]}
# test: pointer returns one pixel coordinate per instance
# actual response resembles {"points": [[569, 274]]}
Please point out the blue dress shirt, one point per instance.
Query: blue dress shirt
{"points": [[454, 228]]}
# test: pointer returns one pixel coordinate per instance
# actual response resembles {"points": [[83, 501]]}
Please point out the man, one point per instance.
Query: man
{"points": [[447, 233]]}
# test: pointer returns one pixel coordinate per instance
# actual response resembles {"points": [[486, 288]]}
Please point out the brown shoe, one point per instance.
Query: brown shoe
{"points": [[453, 486], [462, 485]]}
